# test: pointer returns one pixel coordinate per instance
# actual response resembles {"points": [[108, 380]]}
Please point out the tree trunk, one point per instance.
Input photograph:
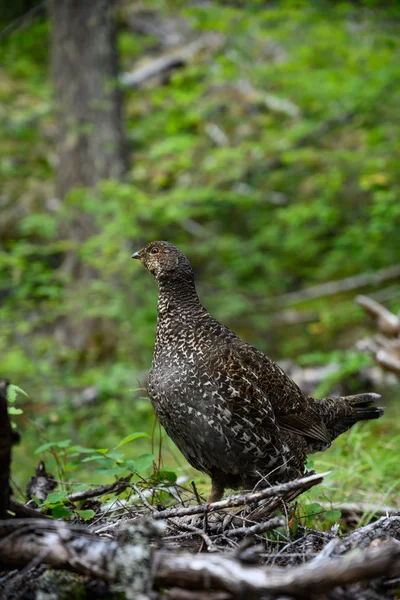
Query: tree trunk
{"points": [[91, 142]]}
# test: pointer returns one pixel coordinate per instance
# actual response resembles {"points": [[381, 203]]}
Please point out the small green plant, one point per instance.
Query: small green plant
{"points": [[316, 516], [113, 463], [12, 395]]}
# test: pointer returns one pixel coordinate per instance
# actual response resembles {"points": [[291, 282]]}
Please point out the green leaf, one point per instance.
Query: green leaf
{"points": [[59, 511], [55, 497], [96, 457], [13, 391], [48, 445], [64, 444], [14, 411], [86, 515], [110, 472], [165, 475], [81, 450], [131, 437], [143, 462], [333, 515], [115, 456]]}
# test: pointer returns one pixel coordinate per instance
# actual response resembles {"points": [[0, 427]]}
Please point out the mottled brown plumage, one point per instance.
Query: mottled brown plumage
{"points": [[232, 411]]}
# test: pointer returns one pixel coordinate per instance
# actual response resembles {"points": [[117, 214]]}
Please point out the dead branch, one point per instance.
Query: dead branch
{"points": [[385, 351], [340, 286], [243, 499], [112, 488], [172, 60], [385, 321], [256, 529], [22, 511]]}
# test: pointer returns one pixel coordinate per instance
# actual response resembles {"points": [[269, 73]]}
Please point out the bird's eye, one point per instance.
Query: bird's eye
{"points": [[154, 250]]}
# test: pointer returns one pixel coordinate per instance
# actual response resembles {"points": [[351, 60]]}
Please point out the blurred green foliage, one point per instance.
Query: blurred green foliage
{"points": [[272, 161]]}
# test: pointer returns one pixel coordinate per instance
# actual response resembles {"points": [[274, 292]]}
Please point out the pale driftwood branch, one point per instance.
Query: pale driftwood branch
{"points": [[243, 499], [386, 352], [388, 361], [172, 60], [341, 285], [220, 572], [386, 322]]}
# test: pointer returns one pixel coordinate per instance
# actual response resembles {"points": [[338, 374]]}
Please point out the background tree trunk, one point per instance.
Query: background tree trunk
{"points": [[91, 143], [90, 137]]}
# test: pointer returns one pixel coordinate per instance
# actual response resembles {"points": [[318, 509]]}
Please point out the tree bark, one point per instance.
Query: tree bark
{"points": [[84, 65], [5, 451], [90, 138]]}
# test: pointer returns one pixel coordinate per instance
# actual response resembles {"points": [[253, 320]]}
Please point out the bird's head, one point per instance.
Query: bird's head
{"points": [[164, 261]]}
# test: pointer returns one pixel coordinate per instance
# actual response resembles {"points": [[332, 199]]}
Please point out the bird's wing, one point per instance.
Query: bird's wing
{"points": [[292, 410], [307, 425]]}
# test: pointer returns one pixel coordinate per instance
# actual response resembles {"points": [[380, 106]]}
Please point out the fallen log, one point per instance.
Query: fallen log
{"points": [[129, 564], [172, 60], [125, 563], [219, 572]]}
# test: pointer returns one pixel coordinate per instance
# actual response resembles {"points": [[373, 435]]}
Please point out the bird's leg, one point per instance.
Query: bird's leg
{"points": [[217, 490]]}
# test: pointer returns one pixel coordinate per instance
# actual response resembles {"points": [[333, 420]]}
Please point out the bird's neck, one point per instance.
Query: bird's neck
{"points": [[178, 309]]}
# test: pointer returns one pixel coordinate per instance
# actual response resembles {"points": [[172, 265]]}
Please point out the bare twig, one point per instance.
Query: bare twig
{"points": [[22, 21], [144, 500], [242, 499], [194, 531], [256, 529], [112, 488]]}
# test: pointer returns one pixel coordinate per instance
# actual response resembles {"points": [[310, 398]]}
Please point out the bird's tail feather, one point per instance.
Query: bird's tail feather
{"points": [[363, 408], [356, 408]]}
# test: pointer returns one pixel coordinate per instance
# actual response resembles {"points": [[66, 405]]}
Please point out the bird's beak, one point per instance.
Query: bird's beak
{"points": [[136, 255]]}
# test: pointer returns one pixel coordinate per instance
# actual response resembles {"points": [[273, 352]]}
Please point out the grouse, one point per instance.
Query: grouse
{"points": [[231, 411]]}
